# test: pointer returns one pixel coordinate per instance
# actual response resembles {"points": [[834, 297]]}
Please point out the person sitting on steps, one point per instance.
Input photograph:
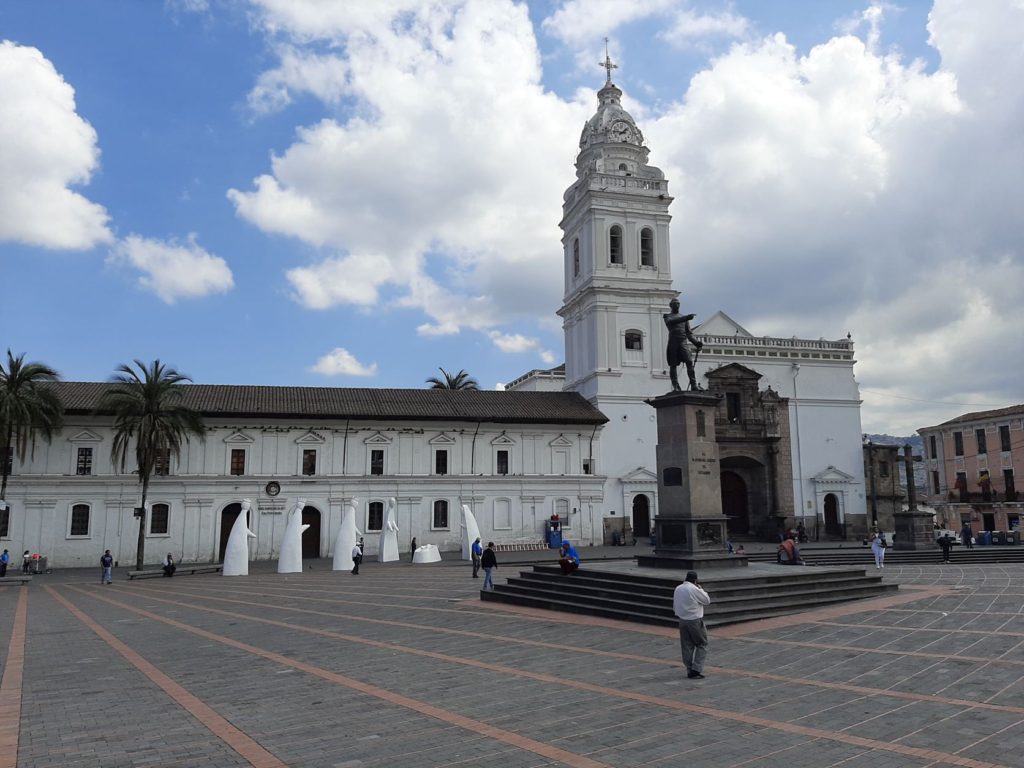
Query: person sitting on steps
{"points": [[569, 559]]}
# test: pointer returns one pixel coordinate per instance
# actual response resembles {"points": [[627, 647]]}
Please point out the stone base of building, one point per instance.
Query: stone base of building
{"points": [[914, 531]]}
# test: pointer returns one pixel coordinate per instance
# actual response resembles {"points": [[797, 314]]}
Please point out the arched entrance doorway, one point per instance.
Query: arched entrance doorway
{"points": [[832, 525], [228, 515], [311, 537], [735, 504], [641, 516]]}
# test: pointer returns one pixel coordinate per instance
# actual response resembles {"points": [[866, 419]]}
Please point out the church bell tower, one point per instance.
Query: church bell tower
{"points": [[618, 274]]}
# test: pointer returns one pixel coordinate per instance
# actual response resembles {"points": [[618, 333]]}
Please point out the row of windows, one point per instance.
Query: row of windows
{"points": [[80, 517], [80, 521], [1005, 444], [962, 487], [615, 251]]}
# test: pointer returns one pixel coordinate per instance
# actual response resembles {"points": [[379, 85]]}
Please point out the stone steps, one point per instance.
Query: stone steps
{"points": [[648, 599], [862, 556]]}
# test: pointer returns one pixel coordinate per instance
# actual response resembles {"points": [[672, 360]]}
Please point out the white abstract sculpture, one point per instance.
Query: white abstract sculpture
{"points": [[387, 552], [470, 532], [348, 537], [236, 555], [290, 560], [428, 553]]}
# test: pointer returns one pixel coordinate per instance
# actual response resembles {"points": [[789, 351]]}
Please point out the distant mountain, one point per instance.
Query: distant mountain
{"points": [[915, 441]]}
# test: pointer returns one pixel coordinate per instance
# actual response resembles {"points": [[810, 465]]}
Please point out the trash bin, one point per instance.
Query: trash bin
{"points": [[986, 538], [1012, 537], [38, 564], [999, 537]]}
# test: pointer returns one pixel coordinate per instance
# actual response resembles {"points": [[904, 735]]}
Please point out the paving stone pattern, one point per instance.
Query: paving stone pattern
{"points": [[405, 666]]}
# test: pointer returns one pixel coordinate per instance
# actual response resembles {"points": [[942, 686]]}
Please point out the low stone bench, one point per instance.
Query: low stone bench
{"points": [[180, 570], [15, 579]]}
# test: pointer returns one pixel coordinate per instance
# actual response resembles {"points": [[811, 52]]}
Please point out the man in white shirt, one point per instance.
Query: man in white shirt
{"points": [[688, 603], [357, 557]]}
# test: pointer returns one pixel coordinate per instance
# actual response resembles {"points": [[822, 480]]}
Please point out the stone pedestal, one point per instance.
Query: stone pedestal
{"points": [[690, 528], [914, 530]]}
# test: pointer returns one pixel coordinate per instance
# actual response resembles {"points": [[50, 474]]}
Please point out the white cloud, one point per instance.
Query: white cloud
{"points": [[852, 190], [548, 356], [173, 270], [438, 193], [688, 27], [45, 148], [512, 342], [580, 22], [341, 362], [323, 77]]}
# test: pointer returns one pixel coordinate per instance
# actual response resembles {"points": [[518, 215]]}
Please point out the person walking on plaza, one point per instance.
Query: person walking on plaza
{"points": [[967, 536], [357, 557], [688, 603], [26, 562], [569, 559], [489, 562], [789, 553], [945, 542], [5, 560], [107, 564], [476, 552], [878, 547]]}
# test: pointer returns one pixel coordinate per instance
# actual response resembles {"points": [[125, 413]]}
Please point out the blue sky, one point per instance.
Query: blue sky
{"points": [[352, 194]]}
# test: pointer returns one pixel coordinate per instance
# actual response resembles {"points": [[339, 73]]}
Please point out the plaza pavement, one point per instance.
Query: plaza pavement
{"points": [[404, 666]]}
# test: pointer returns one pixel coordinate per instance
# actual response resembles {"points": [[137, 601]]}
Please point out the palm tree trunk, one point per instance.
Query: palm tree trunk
{"points": [[140, 551], [3, 457]]}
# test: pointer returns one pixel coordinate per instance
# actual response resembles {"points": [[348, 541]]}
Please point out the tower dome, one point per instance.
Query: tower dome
{"points": [[611, 123]]}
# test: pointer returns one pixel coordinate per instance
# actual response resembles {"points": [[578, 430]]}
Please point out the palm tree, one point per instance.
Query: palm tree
{"points": [[27, 407], [460, 380], [147, 407]]}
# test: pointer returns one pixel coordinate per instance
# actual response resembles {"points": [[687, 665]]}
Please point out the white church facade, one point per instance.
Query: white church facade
{"points": [[577, 441], [618, 284]]}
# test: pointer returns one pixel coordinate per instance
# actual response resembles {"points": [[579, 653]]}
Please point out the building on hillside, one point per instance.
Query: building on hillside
{"points": [[971, 462], [514, 458], [617, 272], [883, 465]]}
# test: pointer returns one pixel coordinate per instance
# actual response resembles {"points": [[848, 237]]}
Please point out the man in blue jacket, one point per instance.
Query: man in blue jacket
{"points": [[475, 553], [569, 559]]}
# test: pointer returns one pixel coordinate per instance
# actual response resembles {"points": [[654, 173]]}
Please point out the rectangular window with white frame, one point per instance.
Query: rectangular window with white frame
{"points": [[439, 517], [562, 510], [237, 462], [78, 521], [441, 462], [5, 522], [83, 465], [309, 461], [501, 462], [375, 516], [159, 520], [376, 461]]}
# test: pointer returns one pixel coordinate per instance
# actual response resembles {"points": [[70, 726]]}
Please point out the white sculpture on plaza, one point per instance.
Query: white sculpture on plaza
{"points": [[348, 536], [428, 553], [290, 560], [236, 554], [387, 552], [470, 532]]}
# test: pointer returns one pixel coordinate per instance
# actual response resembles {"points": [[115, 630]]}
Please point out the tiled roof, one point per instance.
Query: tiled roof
{"points": [[998, 413], [81, 397]]}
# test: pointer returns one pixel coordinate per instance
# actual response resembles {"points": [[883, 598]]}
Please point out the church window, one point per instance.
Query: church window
{"points": [[162, 465], [158, 519], [615, 244], [377, 461], [5, 523], [79, 520], [84, 466], [375, 518], [238, 461], [441, 463], [309, 461], [646, 247], [623, 167], [576, 257], [588, 466], [732, 407], [634, 340], [440, 517], [502, 463]]}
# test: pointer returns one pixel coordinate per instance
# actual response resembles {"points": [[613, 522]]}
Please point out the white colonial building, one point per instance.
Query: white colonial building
{"points": [[514, 458], [618, 284]]}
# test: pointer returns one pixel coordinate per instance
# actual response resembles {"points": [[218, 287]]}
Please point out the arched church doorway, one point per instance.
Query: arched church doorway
{"points": [[641, 516], [832, 525], [311, 537], [735, 504], [228, 515]]}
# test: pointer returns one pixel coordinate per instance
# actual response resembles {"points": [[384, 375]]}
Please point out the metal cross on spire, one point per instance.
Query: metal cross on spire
{"points": [[607, 63]]}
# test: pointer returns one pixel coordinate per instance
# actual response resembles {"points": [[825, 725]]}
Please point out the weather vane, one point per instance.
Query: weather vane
{"points": [[607, 63]]}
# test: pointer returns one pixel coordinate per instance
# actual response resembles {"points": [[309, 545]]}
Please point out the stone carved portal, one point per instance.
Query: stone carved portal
{"points": [[641, 516]]}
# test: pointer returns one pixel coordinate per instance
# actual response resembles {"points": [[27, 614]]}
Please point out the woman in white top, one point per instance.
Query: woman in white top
{"points": [[878, 545]]}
